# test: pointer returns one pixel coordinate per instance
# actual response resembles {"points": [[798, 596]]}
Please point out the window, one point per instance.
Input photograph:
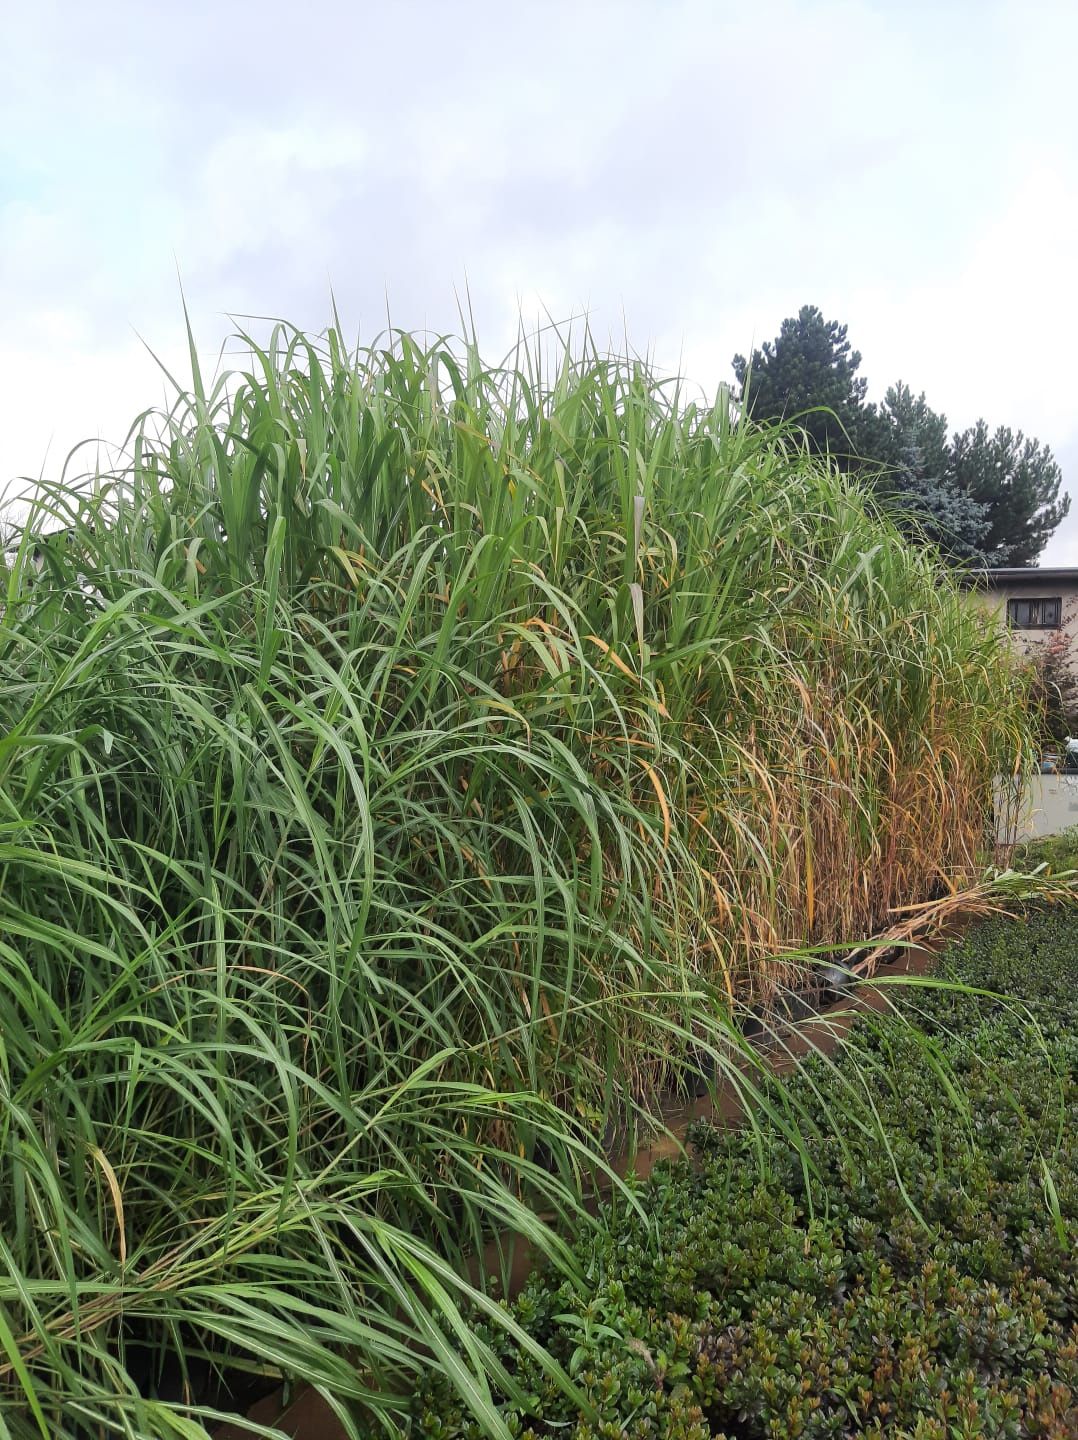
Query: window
{"points": [[1044, 613]]}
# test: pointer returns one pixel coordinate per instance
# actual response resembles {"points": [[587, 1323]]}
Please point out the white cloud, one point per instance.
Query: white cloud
{"points": [[991, 334], [258, 183]]}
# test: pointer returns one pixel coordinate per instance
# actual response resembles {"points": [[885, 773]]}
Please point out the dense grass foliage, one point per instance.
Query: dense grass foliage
{"points": [[928, 1289], [1057, 854], [406, 769]]}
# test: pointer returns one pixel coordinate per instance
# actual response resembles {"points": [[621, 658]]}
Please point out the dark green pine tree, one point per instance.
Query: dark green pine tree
{"points": [[1018, 480], [809, 371], [982, 498]]}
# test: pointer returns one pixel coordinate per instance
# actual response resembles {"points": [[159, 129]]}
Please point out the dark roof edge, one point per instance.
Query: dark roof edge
{"points": [[1026, 574]]}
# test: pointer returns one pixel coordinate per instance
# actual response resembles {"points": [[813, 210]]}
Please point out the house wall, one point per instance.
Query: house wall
{"points": [[1043, 805], [1031, 641]]}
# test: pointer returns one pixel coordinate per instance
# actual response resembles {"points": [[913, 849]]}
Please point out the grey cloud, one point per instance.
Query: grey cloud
{"points": [[701, 169]]}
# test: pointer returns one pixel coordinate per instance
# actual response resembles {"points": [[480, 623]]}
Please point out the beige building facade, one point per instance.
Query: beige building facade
{"points": [[1037, 603]]}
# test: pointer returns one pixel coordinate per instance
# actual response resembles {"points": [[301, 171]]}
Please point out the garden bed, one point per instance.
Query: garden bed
{"points": [[927, 1290], [414, 769], [817, 1020]]}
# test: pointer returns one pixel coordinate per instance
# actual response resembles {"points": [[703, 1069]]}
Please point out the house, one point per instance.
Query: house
{"points": [[1038, 603]]}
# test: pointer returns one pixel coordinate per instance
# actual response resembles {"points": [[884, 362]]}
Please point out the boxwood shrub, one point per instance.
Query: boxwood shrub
{"points": [[924, 1289]]}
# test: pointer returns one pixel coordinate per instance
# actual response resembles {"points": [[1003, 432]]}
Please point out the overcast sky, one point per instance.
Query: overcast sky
{"points": [[687, 172]]}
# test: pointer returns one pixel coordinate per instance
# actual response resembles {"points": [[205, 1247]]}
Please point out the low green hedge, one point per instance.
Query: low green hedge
{"points": [[929, 1289]]}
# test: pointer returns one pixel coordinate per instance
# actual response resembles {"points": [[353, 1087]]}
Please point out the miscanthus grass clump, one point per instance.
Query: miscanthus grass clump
{"points": [[407, 769]]}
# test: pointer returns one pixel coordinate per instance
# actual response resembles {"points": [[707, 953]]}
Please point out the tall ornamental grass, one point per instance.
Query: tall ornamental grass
{"points": [[408, 768]]}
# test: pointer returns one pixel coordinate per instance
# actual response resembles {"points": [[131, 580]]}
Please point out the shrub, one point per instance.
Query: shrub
{"points": [[1054, 694], [1059, 853], [925, 1288]]}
